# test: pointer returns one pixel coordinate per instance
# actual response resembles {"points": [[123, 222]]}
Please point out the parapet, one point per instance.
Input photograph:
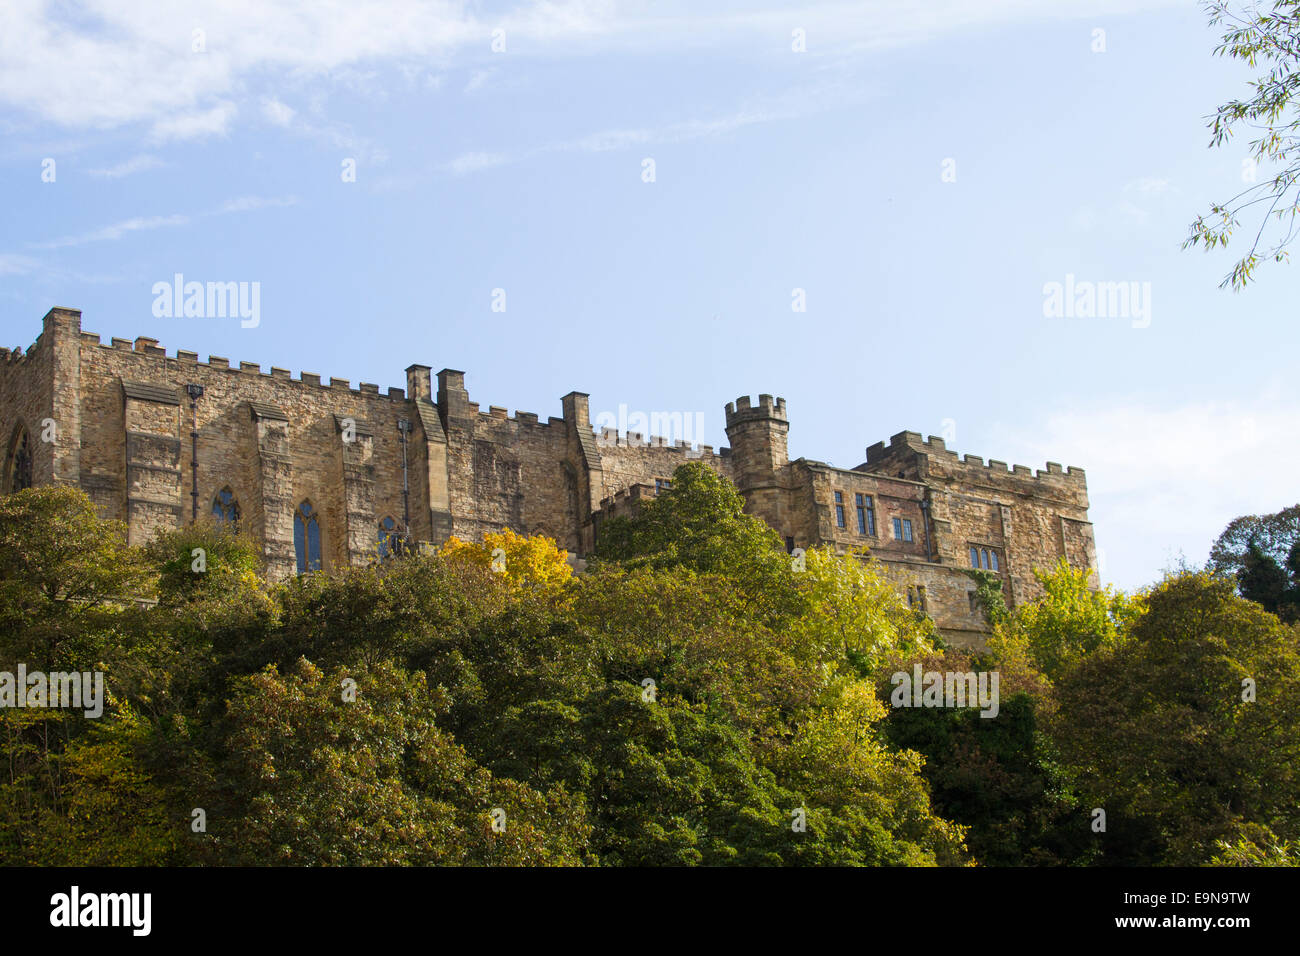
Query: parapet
{"points": [[767, 408], [970, 467]]}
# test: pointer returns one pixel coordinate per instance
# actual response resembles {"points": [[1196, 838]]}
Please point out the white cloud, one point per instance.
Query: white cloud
{"points": [[118, 230], [136, 164], [1148, 186], [1166, 479], [473, 162], [277, 112], [615, 139], [478, 80], [113, 232], [133, 63], [15, 265], [250, 203], [194, 125]]}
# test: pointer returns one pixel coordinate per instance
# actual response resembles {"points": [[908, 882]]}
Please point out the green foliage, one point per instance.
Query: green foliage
{"points": [[1070, 622], [1275, 535], [1267, 39], [1156, 730], [63, 575], [1261, 580], [988, 593], [699, 524], [999, 777], [695, 699]]}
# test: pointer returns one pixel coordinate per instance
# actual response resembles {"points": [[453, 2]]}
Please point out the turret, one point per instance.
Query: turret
{"points": [[759, 455], [757, 434]]}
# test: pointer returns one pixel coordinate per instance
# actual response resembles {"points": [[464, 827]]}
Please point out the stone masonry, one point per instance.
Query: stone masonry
{"points": [[117, 421]]}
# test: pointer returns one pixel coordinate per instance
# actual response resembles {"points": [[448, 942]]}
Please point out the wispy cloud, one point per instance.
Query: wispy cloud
{"points": [[473, 162], [249, 203], [135, 63], [136, 164], [281, 114], [113, 232], [1165, 478], [604, 141], [15, 265], [196, 125], [126, 227]]}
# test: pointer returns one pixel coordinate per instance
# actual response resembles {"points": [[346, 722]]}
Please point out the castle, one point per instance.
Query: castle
{"points": [[324, 475]]}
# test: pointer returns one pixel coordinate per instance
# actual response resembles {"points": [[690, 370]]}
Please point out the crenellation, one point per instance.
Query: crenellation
{"points": [[917, 506]]}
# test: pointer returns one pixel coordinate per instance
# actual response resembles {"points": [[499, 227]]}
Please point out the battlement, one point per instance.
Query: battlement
{"points": [[908, 443], [15, 356], [626, 499], [149, 347], [741, 410], [610, 438]]}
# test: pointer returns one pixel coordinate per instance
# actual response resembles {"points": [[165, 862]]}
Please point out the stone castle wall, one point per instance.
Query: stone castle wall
{"points": [[124, 425]]}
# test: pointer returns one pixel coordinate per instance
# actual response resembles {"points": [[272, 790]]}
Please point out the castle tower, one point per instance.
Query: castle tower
{"points": [[759, 455]]}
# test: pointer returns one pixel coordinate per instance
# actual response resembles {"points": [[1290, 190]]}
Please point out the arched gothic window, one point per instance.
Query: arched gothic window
{"points": [[18, 474], [306, 538], [389, 540], [225, 509]]}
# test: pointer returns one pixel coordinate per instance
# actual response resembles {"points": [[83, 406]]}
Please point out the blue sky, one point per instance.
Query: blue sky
{"points": [[522, 169]]}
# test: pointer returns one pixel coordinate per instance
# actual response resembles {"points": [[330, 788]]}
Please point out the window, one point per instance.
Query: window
{"points": [[662, 484], [866, 516], [306, 538], [985, 559], [389, 541], [225, 509], [839, 510], [789, 544], [974, 557], [19, 473], [974, 600], [993, 560], [902, 529]]}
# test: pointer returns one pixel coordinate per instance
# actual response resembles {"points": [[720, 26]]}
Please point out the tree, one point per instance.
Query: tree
{"points": [[1067, 623], [700, 523], [1259, 579], [320, 773], [1274, 534], [523, 562], [854, 615], [64, 575], [999, 777], [1269, 40], [1187, 733]]}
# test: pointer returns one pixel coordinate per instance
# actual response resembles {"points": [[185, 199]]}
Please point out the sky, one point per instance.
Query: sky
{"points": [[860, 207]]}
